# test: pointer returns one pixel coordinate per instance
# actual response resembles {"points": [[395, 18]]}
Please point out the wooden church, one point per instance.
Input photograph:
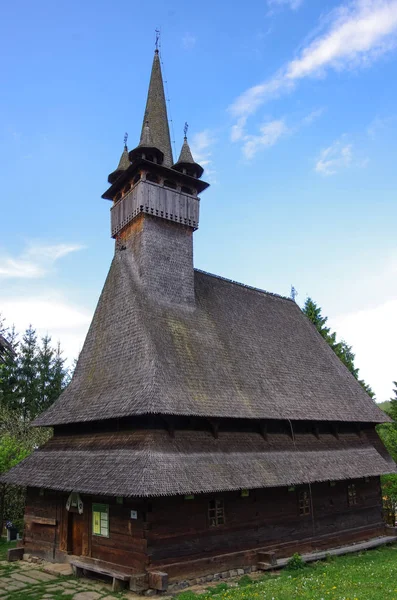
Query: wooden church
{"points": [[208, 425]]}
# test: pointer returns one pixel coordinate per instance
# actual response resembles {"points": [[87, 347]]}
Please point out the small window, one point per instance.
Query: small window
{"points": [[186, 190], [216, 513], [304, 503], [351, 495], [170, 184], [100, 520], [137, 178], [152, 178]]}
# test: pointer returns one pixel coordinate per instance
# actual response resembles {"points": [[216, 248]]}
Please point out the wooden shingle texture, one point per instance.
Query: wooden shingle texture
{"points": [[150, 463], [236, 352]]}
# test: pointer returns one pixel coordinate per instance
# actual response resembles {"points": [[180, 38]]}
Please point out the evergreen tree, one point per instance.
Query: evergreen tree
{"points": [[8, 370], [52, 375], [28, 380], [343, 351], [393, 403]]}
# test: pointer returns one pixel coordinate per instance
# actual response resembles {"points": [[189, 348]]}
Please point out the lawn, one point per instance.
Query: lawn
{"points": [[4, 545], [369, 575]]}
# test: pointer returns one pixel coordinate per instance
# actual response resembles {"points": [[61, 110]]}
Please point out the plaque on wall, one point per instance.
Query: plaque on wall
{"points": [[74, 503]]}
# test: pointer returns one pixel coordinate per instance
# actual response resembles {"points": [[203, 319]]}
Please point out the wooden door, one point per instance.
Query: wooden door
{"points": [[76, 533]]}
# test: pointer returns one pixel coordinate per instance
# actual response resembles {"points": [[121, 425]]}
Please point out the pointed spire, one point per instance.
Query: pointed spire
{"points": [[186, 162], [123, 165], [146, 136], [124, 162], [186, 154], [156, 113]]}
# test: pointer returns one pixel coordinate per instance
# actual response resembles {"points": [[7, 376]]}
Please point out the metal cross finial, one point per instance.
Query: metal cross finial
{"points": [[157, 31], [125, 139], [185, 129], [293, 294]]}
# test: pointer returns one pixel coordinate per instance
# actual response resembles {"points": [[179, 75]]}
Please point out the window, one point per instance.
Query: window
{"points": [[304, 503], [216, 513], [100, 520], [170, 184], [152, 178], [351, 495]]}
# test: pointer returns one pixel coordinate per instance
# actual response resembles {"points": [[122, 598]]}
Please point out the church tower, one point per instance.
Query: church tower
{"points": [[155, 203]]}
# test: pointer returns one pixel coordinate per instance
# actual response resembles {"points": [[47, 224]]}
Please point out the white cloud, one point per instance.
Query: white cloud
{"points": [[336, 157], [269, 134], [189, 41], [311, 117], [356, 35], [380, 125], [272, 131], [35, 261], [293, 4], [201, 146], [49, 314], [372, 333]]}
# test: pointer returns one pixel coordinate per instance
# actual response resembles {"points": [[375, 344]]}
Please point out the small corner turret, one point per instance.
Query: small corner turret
{"points": [[185, 163]]}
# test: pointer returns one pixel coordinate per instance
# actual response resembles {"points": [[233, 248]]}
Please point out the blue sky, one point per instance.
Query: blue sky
{"points": [[291, 109]]}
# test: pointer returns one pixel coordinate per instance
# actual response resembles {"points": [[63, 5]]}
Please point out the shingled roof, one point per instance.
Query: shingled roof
{"points": [[151, 463], [238, 352], [156, 114]]}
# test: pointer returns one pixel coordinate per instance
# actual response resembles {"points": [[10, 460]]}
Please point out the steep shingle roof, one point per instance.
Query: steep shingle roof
{"points": [[156, 114], [238, 352], [151, 463], [123, 165]]}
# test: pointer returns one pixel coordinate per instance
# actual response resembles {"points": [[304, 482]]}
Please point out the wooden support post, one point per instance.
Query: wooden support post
{"points": [[214, 427], [169, 425], [263, 429], [158, 581]]}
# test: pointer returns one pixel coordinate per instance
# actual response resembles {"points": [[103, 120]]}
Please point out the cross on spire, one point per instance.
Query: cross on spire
{"points": [[185, 130], [157, 31]]}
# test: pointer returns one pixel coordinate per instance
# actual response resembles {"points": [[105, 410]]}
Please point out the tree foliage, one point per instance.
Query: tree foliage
{"points": [[388, 435], [343, 351], [32, 376]]}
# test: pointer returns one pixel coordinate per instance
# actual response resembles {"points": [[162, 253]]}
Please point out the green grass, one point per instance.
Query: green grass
{"points": [[369, 575], [4, 546]]}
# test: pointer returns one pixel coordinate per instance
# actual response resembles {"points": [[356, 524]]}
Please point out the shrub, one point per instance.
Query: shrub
{"points": [[245, 580], [295, 563], [217, 589]]}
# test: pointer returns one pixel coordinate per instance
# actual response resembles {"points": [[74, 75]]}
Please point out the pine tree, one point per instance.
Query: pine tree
{"points": [[28, 381], [8, 370], [52, 375], [343, 351]]}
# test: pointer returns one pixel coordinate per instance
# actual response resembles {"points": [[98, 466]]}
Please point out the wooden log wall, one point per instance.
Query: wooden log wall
{"points": [[179, 528], [174, 533]]}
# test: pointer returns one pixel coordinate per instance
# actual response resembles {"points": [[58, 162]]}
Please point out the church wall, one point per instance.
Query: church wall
{"points": [[266, 518], [174, 534], [53, 533]]}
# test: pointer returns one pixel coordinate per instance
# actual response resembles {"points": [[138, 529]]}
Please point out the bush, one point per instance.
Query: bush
{"points": [[217, 589], [245, 580], [295, 563]]}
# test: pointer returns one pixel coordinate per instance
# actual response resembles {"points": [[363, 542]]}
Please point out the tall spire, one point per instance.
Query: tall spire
{"points": [[156, 113]]}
